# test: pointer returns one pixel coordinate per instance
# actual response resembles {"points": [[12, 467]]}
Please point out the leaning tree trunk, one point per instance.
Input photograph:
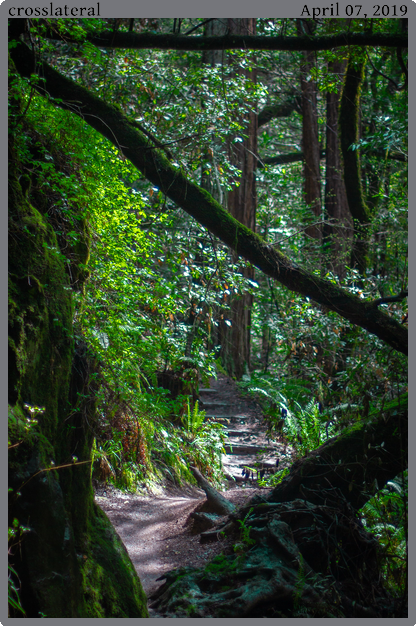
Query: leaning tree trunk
{"points": [[354, 465], [144, 154], [217, 503]]}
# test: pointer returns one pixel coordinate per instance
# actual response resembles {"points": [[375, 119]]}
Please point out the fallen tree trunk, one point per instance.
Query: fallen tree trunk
{"points": [[217, 503], [353, 465], [149, 41]]}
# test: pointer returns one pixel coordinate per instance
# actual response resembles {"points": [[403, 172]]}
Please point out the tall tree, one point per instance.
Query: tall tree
{"points": [[350, 135], [310, 136], [337, 230], [241, 202]]}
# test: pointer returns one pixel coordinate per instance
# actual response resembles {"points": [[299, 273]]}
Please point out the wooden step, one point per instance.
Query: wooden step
{"points": [[246, 449], [215, 403], [239, 433], [229, 416]]}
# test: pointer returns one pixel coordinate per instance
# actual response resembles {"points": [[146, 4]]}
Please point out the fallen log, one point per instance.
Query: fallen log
{"points": [[217, 502], [353, 465]]}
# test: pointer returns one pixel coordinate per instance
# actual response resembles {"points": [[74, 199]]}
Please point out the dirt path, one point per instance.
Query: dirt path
{"points": [[156, 530]]}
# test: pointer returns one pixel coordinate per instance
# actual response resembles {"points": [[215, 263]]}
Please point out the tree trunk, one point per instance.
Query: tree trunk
{"points": [[349, 120], [64, 565], [310, 141], [217, 502], [241, 203], [353, 465], [338, 227]]}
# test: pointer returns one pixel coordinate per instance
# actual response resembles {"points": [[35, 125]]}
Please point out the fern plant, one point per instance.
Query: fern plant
{"points": [[385, 516], [193, 419]]}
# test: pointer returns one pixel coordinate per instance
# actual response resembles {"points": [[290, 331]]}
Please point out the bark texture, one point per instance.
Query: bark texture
{"points": [[217, 503], [310, 143], [70, 562], [137, 41], [354, 465], [338, 227], [242, 204], [350, 134]]}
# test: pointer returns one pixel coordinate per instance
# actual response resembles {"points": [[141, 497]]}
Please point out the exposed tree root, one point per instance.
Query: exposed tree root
{"points": [[305, 560]]}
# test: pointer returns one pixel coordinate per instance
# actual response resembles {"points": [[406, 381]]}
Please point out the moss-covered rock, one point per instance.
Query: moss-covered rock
{"points": [[70, 561]]}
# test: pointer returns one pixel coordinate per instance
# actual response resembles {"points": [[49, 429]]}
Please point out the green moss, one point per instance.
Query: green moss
{"points": [[48, 370], [111, 585]]}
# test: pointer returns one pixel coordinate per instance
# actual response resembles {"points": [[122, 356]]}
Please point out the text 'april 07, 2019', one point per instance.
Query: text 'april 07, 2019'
{"points": [[354, 10]]}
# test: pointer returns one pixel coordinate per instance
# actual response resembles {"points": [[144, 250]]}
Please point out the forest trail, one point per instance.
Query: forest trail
{"points": [[247, 445], [157, 529]]}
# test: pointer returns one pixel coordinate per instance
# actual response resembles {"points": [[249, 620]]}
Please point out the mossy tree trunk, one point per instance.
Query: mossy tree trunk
{"points": [[149, 41], [353, 465], [70, 561]]}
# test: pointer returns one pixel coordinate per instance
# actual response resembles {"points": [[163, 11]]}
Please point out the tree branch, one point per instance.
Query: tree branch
{"points": [[137, 41], [399, 298], [172, 181], [283, 159], [277, 110], [293, 157]]}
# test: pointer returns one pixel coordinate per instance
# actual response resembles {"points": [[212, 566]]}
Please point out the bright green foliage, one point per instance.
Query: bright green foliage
{"points": [[386, 516], [193, 419], [305, 429], [245, 540]]}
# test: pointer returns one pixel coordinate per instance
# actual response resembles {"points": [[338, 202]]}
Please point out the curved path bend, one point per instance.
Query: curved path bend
{"points": [[156, 528]]}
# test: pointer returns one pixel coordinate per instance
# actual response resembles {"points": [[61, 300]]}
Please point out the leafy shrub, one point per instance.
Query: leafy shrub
{"points": [[386, 516]]}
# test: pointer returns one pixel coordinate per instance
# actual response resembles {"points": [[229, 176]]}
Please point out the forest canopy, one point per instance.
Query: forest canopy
{"points": [[221, 195]]}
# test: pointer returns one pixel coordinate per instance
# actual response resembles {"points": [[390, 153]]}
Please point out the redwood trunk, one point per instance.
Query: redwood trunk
{"points": [[310, 144], [338, 228], [242, 201]]}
